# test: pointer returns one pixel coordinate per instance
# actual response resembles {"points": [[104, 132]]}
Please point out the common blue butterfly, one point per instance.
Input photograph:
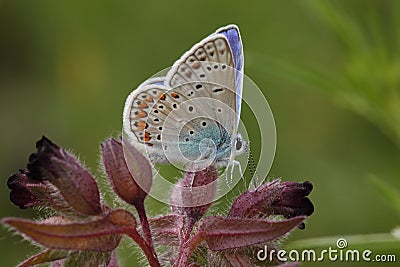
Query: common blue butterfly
{"points": [[192, 114]]}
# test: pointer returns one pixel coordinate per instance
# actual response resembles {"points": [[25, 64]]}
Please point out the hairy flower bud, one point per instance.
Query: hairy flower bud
{"points": [[26, 192], [123, 181], [66, 173], [275, 198], [194, 194]]}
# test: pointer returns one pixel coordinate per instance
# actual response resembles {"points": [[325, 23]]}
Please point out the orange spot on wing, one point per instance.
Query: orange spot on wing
{"points": [[196, 65], [140, 114], [162, 96], [143, 105], [149, 99], [141, 125], [146, 137], [174, 95]]}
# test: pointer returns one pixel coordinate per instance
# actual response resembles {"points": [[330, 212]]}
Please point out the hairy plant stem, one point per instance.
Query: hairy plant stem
{"points": [[145, 225], [148, 251], [187, 248], [189, 229]]}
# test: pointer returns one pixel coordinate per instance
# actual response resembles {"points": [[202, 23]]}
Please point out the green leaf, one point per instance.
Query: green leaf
{"points": [[387, 191], [341, 23]]}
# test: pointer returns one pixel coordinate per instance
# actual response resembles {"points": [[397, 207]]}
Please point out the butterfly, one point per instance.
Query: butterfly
{"points": [[191, 115]]}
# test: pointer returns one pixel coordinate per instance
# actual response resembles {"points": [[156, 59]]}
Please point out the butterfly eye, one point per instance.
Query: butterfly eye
{"points": [[239, 144]]}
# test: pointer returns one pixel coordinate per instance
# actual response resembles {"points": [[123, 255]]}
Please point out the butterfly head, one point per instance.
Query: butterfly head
{"points": [[241, 145]]}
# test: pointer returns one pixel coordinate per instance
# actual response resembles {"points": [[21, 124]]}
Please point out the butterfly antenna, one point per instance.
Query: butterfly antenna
{"points": [[251, 166], [253, 172]]}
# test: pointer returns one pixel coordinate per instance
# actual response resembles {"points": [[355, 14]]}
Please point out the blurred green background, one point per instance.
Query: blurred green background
{"points": [[329, 69]]}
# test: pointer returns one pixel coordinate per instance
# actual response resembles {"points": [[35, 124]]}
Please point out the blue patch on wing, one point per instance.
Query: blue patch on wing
{"points": [[155, 81], [161, 82], [235, 43], [236, 46]]}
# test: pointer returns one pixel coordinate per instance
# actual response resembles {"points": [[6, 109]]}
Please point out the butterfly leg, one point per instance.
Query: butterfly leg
{"points": [[237, 163], [231, 165]]}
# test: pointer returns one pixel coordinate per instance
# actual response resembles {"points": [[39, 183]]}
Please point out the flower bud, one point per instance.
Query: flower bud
{"points": [[275, 198], [77, 186], [26, 192], [194, 194], [122, 180]]}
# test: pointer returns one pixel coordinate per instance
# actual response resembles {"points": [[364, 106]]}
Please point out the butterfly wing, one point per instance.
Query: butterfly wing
{"points": [[196, 100]]}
